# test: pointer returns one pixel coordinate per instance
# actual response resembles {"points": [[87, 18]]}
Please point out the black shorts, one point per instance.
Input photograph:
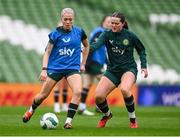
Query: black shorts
{"points": [[60, 75], [93, 68], [115, 77]]}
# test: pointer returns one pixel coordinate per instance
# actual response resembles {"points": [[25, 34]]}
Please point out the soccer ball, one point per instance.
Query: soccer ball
{"points": [[49, 121]]}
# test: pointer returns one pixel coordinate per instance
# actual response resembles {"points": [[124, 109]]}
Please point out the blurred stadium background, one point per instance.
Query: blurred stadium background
{"points": [[25, 24]]}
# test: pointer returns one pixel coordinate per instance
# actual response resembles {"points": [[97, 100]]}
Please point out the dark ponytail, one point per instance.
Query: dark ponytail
{"points": [[125, 25]]}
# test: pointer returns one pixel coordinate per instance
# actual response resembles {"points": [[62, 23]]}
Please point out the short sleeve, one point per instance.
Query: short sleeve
{"points": [[52, 37], [83, 36]]}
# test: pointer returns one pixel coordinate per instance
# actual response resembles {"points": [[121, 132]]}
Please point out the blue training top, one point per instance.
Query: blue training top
{"points": [[98, 55], [66, 50]]}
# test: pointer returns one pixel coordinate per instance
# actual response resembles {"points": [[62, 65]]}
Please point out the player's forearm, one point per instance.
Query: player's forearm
{"points": [[142, 54], [45, 60], [143, 59], [85, 54], [46, 55], [96, 45]]}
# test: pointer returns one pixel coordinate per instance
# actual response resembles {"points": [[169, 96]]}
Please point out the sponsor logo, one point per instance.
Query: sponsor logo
{"points": [[66, 52], [66, 40], [111, 41], [171, 99], [118, 50]]}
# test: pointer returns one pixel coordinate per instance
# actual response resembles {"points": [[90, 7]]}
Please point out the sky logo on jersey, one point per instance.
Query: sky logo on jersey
{"points": [[66, 52], [118, 50]]}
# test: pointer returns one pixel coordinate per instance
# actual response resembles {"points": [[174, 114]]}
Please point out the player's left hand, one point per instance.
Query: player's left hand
{"points": [[43, 75], [145, 72]]}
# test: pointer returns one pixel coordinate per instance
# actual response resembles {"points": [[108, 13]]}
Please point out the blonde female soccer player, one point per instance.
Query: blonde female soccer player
{"points": [[62, 59]]}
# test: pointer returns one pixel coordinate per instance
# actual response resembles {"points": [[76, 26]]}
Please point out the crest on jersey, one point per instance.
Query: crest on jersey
{"points": [[125, 42]]}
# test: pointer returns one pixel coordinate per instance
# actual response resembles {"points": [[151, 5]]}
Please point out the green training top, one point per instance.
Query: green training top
{"points": [[120, 47]]}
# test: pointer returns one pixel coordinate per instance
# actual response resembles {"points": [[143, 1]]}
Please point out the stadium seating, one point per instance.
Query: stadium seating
{"points": [[21, 46], [18, 65]]}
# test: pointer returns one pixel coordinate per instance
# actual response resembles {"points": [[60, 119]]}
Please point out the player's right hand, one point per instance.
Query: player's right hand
{"points": [[145, 72]]}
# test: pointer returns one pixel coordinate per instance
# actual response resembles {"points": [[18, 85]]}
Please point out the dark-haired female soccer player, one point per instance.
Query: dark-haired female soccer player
{"points": [[62, 59], [121, 69]]}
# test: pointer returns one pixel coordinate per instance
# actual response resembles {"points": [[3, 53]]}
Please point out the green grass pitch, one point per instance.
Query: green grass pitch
{"points": [[153, 121]]}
